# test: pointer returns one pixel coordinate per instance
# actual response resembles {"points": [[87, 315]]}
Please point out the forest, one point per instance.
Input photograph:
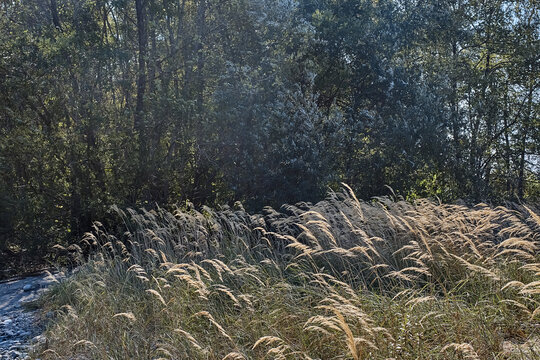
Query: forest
{"points": [[150, 103], [270, 179]]}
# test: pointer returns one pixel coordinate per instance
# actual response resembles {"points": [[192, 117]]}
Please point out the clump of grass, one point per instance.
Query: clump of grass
{"points": [[340, 279]]}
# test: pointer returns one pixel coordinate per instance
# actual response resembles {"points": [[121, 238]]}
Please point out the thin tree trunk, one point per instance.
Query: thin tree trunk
{"points": [[455, 117], [139, 118], [507, 148], [201, 32], [523, 145], [141, 75], [54, 14]]}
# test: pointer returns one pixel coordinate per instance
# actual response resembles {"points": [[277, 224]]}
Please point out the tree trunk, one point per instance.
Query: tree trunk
{"points": [[139, 118], [141, 75], [523, 145], [456, 129], [507, 148], [201, 32], [55, 17]]}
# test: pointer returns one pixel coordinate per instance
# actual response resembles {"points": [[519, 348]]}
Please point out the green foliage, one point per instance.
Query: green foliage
{"points": [[158, 102]]}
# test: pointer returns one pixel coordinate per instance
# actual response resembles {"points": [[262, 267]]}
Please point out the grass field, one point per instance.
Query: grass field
{"points": [[340, 279]]}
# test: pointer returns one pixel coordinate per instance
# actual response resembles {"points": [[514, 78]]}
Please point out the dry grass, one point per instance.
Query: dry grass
{"points": [[341, 279]]}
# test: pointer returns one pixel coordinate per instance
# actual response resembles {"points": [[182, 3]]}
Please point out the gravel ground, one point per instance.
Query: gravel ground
{"points": [[19, 327]]}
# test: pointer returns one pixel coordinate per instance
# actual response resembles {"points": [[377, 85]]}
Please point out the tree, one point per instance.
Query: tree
{"points": [[147, 102]]}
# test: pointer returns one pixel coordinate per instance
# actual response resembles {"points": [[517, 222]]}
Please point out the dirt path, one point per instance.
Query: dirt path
{"points": [[18, 326]]}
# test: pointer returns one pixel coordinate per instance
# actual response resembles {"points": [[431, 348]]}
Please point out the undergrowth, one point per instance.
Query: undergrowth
{"points": [[340, 279]]}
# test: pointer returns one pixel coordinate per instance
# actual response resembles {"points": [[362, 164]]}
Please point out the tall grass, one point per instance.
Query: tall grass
{"points": [[340, 279]]}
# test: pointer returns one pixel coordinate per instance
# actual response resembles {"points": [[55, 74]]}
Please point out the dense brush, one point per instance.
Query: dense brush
{"points": [[340, 279]]}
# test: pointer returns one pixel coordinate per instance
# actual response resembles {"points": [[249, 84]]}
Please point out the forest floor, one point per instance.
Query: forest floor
{"points": [[20, 324]]}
